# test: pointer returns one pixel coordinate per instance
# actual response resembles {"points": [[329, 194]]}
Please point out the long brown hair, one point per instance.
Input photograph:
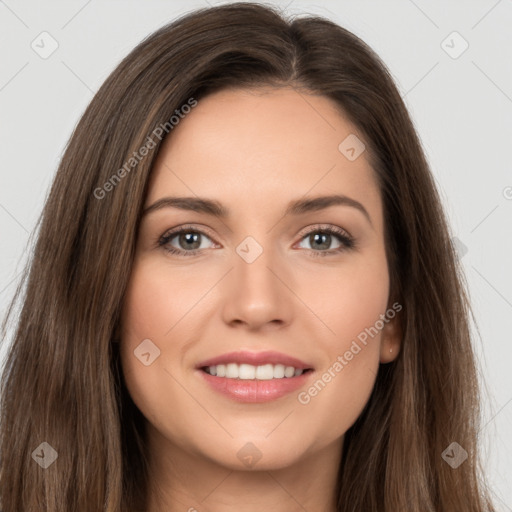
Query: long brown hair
{"points": [[62, 382]]}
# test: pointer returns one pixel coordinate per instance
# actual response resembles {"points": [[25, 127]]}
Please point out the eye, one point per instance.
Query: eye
{"points": [[188, 239], [321, 237]]}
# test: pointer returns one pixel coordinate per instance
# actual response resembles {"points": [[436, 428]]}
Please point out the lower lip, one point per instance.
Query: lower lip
{"points": [[254, 391]]}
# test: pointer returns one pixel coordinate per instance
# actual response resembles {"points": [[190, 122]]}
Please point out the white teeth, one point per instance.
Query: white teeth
{"points": [[246, 371], [250, 372], [278, 371], [232, 371], [289, 371], [265, 372]]}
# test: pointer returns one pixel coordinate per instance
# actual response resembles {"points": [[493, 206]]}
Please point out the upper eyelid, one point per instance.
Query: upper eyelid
{"points": [[322, 227], [171, 233]]}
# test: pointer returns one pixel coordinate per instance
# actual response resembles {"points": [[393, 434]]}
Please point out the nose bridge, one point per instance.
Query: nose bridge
{"points": [[253, 264], [257, 294]]}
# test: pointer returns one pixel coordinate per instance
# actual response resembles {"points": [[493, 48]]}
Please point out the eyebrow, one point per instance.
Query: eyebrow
{"points": [[216, 209]]}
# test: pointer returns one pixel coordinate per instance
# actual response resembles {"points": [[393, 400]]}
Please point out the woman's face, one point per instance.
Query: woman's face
{"points": [[265, 283]]}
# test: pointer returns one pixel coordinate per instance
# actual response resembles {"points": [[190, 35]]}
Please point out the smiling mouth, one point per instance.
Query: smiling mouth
{"points": [[251, 372]]}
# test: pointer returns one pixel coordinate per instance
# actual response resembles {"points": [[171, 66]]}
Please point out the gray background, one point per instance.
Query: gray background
{"points": [[461, 106]]}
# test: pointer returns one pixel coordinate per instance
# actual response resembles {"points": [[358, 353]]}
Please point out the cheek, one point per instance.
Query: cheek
{"points": [[351, 305], [156, 301], [351, 299], [360, 300], [151, 309], [159, 305]]}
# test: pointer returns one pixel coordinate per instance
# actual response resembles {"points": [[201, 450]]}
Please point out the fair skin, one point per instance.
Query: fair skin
{"points": [[254, 152]]}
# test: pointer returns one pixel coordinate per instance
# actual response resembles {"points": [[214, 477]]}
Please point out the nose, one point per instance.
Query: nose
{"points": [[257, 294]]}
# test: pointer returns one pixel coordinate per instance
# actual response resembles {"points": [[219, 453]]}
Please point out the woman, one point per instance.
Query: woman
{"points": [[181, 346]]}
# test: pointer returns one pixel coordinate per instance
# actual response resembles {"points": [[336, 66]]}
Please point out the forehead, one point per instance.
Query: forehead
{"points": [[261, 146]]}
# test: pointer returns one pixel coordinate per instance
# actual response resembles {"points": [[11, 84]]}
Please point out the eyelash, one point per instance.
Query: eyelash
{"points": [[347, 241]]}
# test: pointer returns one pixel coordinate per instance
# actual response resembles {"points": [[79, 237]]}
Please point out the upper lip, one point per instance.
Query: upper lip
{"points": [[256, 359]]}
